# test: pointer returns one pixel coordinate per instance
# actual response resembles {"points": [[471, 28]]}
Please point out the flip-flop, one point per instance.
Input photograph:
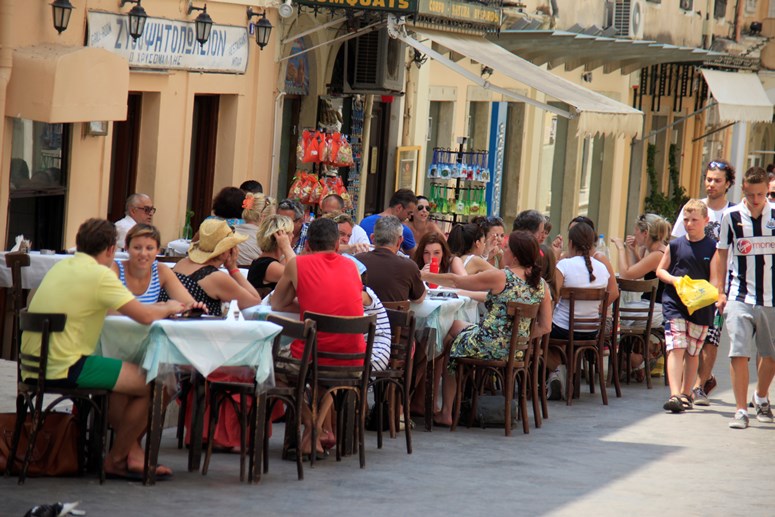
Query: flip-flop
{"points": [[126, 475]]}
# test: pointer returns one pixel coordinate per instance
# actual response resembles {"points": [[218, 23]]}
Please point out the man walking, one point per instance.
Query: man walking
{"points": [[746, 293]]}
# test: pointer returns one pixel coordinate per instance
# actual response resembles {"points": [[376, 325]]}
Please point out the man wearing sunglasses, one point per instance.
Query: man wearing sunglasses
{"points": [[719, 178], [139, 209]]}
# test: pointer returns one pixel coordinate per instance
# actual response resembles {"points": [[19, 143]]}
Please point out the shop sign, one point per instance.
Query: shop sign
{"points": [[461, 11], [391, 6], [170, 44]]}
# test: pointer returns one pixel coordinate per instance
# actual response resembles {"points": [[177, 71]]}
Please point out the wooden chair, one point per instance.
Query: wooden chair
{"points": [[340, 381], [511, 372], [572, 350], [30, 397], [635, 325], [170, 260], [398, 375], [540, 349], [15, 262], [296, 375], [253, 410]]}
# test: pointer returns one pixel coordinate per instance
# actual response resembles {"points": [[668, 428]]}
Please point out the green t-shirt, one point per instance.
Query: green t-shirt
{"points": [[84, 290]]}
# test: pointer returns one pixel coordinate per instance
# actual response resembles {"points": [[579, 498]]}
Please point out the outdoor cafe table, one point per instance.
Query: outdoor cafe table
{"points": [[204, 344]]}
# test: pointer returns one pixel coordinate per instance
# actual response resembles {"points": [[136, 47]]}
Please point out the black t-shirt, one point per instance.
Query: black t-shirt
{"points": [[693, 260], [257, 274]]}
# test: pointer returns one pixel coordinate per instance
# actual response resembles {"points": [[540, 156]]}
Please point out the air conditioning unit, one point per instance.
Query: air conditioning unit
{"points": [[686, 5], [628, 18], [375, 63]]}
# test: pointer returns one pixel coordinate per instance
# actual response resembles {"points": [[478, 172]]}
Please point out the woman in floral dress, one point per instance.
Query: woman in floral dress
{"points": [[489, 339]]}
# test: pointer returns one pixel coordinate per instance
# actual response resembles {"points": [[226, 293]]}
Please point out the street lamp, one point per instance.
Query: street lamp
{"points": [[61, 10], [263, 28], [137, 18], [203, 23]]}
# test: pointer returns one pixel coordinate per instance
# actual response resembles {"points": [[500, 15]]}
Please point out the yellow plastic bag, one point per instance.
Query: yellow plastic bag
{"points": [[695, 294]]}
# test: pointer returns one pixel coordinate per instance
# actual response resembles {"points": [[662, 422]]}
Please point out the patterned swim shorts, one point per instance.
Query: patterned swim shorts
{"points": [[682, 334]]}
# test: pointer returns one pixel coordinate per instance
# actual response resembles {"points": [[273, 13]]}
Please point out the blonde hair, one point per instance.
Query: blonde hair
{"points": [[256, 207], [695, 205], [658, 228], [268, 227], [340, 218]]}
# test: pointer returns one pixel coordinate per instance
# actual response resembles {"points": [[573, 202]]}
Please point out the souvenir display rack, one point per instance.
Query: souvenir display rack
{"points": [[458, 185]]}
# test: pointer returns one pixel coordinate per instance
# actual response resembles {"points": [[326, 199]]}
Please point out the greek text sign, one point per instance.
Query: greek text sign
{"points": [[170, 44]]}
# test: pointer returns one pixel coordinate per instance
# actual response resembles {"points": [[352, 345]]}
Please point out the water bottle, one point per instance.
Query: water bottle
{"points": [[601, 246], [434, 269]]}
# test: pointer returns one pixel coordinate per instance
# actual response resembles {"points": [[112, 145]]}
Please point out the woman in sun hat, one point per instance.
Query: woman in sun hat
{"points": [[199, 271]]}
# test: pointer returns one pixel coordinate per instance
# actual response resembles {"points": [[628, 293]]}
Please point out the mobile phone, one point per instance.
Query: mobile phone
{"points": [[194, 312]]}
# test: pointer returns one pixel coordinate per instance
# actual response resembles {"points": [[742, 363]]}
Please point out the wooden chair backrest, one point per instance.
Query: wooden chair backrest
{"points": [[636, 317], [397, 306], [402, 326], [344, 325], [517, 312], [45, 323], [577, 294], [304, 330]]}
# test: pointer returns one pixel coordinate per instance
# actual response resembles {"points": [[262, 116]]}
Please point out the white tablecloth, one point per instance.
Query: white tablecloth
{"points": [[441, 313], [39, 266], [204, 344]]}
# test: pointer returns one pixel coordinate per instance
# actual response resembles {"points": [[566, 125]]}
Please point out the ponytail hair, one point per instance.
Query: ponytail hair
{"points": [[582, 237], [524, 248]]}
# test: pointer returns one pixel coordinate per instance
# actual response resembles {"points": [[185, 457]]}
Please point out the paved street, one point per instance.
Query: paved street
{"points": [[629, 458]]}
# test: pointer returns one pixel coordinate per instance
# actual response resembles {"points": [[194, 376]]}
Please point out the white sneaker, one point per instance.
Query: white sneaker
{"points": [[740, 420]]}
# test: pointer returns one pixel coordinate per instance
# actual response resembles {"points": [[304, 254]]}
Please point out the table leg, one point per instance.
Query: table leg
{"points": [[430, 385], [196, 425], [153, 439]]}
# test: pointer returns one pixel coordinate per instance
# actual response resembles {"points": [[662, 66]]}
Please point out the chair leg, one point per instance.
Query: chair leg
{"points": [[21, 417], [430, 389], [458, 396], [103, 436], [407, 417], [243, 410], [601, 376], [37, 422], [613, 367], [362, 406], [379, 401], [269, 409], [570, 377], [523, 402], [185, 386], [508, 396]]}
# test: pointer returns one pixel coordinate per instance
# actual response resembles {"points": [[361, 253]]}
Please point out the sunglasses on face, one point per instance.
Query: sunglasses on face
{"points": [[423, 208], [718, 166], [771, 195], [150, 210]]}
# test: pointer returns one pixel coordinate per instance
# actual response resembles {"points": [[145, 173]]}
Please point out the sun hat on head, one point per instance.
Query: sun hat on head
{"points": [[215, 237]]}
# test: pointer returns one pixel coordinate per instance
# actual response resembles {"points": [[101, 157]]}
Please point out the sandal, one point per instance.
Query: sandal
{"points": [[674, 405], [686, 401]]}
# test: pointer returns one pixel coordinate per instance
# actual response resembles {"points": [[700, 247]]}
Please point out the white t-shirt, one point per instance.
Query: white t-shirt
{"points": [[714, 223], [359, 236], [575, 274], [122, 228]]}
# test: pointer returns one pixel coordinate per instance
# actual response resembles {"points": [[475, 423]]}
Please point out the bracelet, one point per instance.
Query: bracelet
{"points": [[232, 271]]}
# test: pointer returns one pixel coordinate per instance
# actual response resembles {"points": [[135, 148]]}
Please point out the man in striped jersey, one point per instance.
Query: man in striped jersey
{"points": [[746, 249]]}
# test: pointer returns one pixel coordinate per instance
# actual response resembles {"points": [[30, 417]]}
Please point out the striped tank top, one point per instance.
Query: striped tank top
{"points": [[151, 295]]}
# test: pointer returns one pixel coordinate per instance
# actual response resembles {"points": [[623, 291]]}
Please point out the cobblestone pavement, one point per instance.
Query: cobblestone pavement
{"points": [[629, 458]]}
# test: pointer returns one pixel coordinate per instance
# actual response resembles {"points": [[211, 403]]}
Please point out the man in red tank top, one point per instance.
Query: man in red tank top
{"points": [[324, 282]]}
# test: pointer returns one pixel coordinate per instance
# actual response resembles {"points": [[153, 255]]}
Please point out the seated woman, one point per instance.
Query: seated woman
{"points": [[468, 242], [579, 269], [434, 245], [199, 273], [639, 255], [274, 240], [255, 208], [143, 275], [227, 206], [489, 339], [420, 222]]}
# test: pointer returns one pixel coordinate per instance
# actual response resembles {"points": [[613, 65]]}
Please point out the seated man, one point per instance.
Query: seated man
{"points": [[139, 209], [293, 209], [323, 281], [393, 278], [402, 204], [84, 288], [334, 204]]}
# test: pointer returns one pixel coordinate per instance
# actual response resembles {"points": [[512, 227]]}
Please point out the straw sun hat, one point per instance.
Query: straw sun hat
{"points": [[215, 237]]}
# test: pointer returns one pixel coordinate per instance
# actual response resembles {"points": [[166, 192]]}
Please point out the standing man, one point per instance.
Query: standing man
{"points": [[746, 293], [719, 178], [139, 209], [402, 204]]}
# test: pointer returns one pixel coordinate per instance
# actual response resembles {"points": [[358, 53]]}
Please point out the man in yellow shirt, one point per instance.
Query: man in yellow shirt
{"points": [[84, 288]]}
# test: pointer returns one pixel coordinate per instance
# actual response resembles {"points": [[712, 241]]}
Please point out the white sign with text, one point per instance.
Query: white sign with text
{"points": [[170, 44]]}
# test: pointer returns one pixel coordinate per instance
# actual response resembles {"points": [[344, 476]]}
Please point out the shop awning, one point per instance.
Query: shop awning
{"points": [[596, 113], [740, 96], [58, 84], [591, 49]]}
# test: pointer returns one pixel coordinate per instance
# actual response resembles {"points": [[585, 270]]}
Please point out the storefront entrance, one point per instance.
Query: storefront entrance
{"points": [[202, 164], [123, 166]]}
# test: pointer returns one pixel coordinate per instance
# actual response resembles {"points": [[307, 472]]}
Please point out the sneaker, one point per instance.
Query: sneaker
{"points": [[673, 405], [700, 397], [763, 412], [709, 385], [554, 386], [739, 421]]}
